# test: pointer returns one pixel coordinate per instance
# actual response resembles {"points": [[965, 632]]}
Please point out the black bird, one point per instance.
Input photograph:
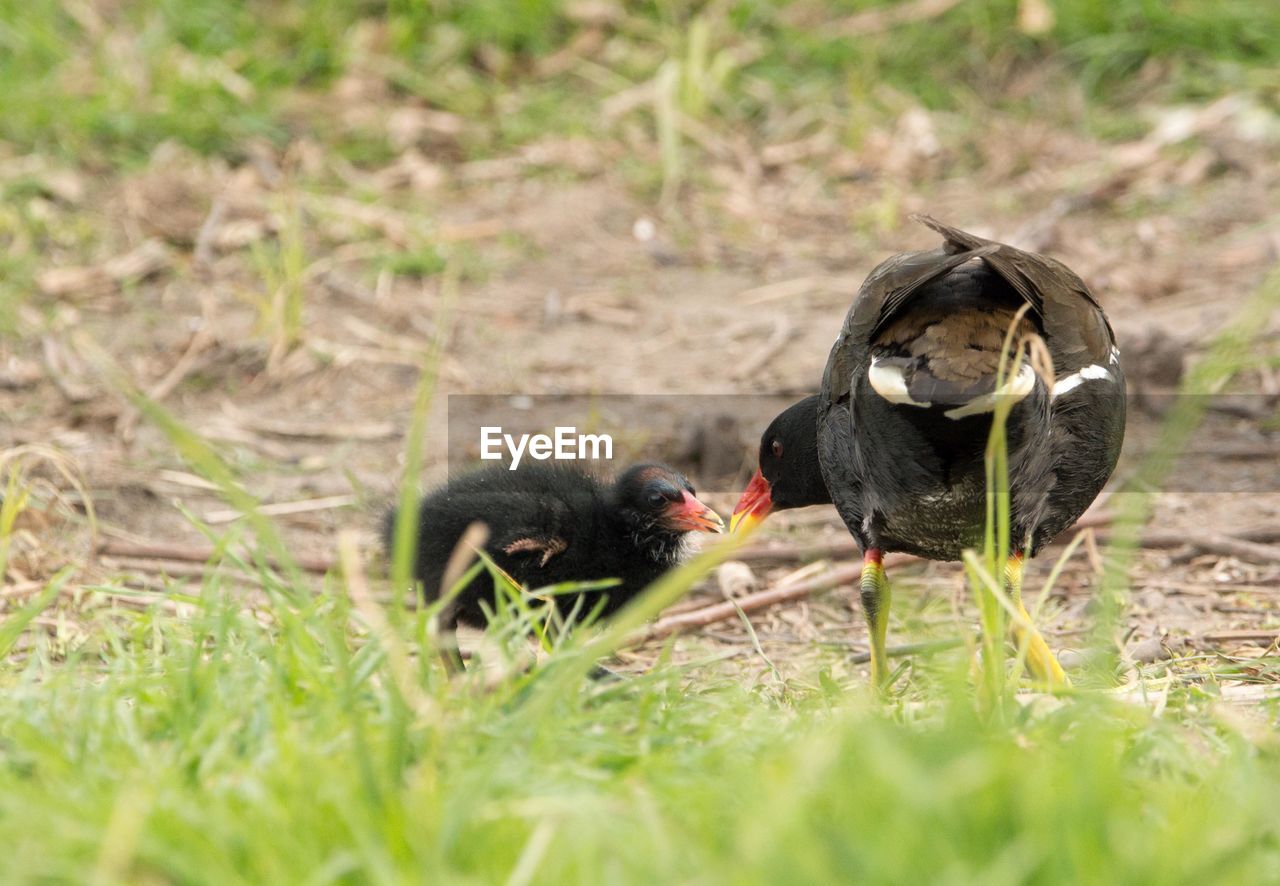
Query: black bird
{"points": [[896, 437], [549, 524]]}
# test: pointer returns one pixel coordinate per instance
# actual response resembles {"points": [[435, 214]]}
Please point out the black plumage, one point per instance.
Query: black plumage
{"points": [[896, 436], [549, 524]]}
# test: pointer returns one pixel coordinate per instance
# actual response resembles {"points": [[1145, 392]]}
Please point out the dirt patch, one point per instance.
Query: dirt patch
{"points": [[568, 282]]}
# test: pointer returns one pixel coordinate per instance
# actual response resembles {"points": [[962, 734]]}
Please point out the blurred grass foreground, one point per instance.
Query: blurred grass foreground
{"points": [[302, 740]]}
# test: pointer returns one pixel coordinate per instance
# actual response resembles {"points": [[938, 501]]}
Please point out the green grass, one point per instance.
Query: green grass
{"points": [[281, 267], [109, 85], [217, 748], [299, 739]]}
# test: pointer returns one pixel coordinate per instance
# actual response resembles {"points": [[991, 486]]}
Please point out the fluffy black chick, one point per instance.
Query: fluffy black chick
{"points": [[552, 524]]}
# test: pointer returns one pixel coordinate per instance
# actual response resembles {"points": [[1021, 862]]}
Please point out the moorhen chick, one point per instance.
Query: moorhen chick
{"points": [[897, 435], [549, 524]]}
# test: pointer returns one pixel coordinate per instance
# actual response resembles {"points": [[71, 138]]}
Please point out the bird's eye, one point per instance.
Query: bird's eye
{"points": [[656, 498], [776, 448]]}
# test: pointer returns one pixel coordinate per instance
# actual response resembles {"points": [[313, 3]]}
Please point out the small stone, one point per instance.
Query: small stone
{"points": [[1149, 650], [1077, 659], [735, 579]]}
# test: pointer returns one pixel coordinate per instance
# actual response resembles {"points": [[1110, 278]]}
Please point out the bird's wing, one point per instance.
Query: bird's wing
{"points": [[1077, 332], [529, 525], [887, 289], [1030, 275], [840, 471], [1076, 328], [539, 546], [890, 287]]}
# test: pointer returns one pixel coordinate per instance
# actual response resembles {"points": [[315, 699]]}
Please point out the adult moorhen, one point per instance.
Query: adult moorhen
{"points": [[897, 434]]}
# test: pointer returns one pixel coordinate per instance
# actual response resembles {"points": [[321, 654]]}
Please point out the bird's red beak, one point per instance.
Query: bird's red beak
{"points": [[691, 515], [753, 507]]}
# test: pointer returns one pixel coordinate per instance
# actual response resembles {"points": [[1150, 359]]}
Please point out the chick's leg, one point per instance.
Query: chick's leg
{"points": [[450, 654], [1040, 660]]}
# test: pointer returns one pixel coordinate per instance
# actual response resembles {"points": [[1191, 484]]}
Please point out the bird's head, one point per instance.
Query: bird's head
{"points": [[656, 498], [789, 475]]}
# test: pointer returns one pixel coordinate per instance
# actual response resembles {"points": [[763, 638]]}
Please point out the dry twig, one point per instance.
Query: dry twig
{"points": [[201, 339], [115, 547], [698, 618], [285, 508], [372, 430], [911, 649], [1246, 636]]}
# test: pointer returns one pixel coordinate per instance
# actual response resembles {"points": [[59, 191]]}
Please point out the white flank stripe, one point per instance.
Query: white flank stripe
{"points": [[1069, 383], [887, 381]]}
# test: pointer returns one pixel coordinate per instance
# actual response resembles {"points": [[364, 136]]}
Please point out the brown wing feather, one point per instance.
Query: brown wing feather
{"points": [[897, 285], [1026, 272], [1076, 328], [963, 347], [546, 547]]}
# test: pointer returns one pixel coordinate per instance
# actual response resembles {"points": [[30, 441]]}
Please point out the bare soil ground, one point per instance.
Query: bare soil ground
{"points": [[570, 282]]}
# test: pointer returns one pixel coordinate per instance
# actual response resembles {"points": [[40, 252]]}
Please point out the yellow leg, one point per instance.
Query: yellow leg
{"points": [[875, 605], [1040, 660]]}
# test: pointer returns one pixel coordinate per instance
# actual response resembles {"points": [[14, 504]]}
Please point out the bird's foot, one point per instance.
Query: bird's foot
{"points": [[1041, 661]]}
